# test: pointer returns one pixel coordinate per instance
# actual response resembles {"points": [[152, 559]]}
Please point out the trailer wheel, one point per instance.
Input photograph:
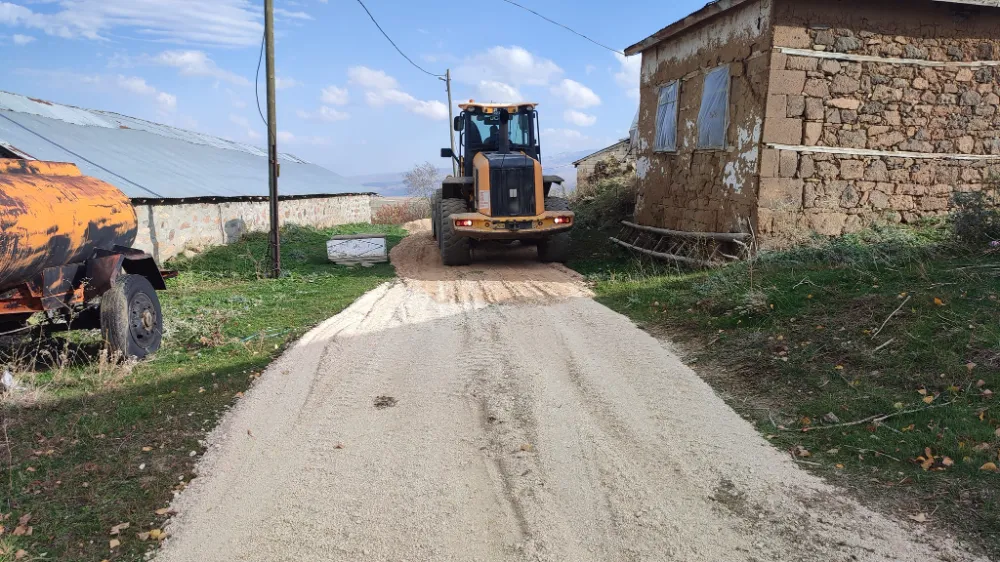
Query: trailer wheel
{"points": [[455, 248], [555, 248], [131, 321], [435, 205]]}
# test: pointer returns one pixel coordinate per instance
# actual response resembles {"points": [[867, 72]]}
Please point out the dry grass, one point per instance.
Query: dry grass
{"points": [[402, 212]]}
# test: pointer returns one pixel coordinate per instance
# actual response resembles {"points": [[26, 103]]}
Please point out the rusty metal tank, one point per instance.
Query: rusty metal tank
{"points": [[52, 215]]}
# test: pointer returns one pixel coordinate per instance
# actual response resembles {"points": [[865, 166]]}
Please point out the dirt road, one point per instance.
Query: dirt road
{"points": [[496, 413]]}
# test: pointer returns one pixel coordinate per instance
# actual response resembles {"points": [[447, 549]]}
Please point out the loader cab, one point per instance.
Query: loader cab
{"points": [[495, 128]]}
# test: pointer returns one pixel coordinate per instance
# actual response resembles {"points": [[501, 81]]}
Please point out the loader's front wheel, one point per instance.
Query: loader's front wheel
{"points": [[455, 248], [555, 248]]}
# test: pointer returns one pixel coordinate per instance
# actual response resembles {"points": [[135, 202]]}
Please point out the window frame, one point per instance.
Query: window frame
{"points": [[726, 116], [677, 116]]}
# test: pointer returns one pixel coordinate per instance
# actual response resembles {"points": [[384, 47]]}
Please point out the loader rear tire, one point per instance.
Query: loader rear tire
{"points": [[435, 212], [455, 248], [555, 248]]}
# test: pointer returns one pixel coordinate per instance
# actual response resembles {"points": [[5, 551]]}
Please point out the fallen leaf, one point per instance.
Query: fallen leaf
{"points": [[988, 393], [922, 392], [833, 451], [946, 461], [114, 543], [157, 534], [801, 451], [970, 366], [938, 301], [928, 399], [910, 427], [146, 449], [839, 367], [142, 536], [898, 405], [24, 519], [22, 530], [839, 466], [919, 518], [20, 554], [980, 383], [998, 432], [526, 447], [164, 511], [119, 528], [989, 467]]}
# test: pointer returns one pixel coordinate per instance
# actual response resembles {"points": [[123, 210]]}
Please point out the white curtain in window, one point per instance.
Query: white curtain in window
{"points": [[714, 109], [666, 118]]}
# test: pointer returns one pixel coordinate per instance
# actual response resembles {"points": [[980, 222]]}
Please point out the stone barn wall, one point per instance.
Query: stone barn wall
{"points": [[705, 190], [168, 229], [877, 112]]}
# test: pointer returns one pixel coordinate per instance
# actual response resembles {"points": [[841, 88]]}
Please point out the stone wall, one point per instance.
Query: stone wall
{"points": [[166, 230], [705, 190], [877, 111], [616, 157]]}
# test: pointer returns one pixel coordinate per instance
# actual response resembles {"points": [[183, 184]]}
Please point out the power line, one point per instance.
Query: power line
{"points": [[256, 81], [420, 68], [571, 30]]}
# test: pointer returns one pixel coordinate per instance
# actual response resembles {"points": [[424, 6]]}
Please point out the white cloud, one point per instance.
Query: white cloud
{"points": [[286, 83], [22, 40], [628, 75], [324, 113], [197, 63], [590, 69], [382, 89], [511, 65], [492, 90], [290, 138], [576, 94], [335, 96], [244, 123], [233, 23], [579, 118], [139, 86], [292, 15], [566, 140], [371, 79]]}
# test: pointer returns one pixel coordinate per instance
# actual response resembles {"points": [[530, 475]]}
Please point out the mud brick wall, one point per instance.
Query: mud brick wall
{"points": [[705, 190], [864, 80], [167, 230]]}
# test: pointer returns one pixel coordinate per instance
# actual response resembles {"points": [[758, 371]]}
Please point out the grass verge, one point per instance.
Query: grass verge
{"points": [[872, 359], [96, 446]]}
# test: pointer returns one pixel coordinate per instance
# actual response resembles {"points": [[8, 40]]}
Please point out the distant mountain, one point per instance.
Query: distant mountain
{"points": [[391, 184]]}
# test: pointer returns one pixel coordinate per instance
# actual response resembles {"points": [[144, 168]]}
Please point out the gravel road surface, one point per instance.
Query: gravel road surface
{"points": [[496, 413]]}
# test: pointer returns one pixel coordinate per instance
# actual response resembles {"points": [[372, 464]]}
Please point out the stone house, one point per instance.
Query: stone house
{"points": [[787, 117], [618, 156]]}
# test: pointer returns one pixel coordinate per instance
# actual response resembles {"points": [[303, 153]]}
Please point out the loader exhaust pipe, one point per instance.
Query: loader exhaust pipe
{"points": [[504, 132]]}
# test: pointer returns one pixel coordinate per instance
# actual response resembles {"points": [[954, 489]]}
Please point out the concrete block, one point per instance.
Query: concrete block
{"points": [[813, 134], [788, 82], [780, 193], [777, 105], [793, 37], [769, 163], [783, 131], [788, 163]]}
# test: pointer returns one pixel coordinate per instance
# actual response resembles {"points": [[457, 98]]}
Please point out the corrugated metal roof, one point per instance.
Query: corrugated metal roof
{"points": [[146, 159]]}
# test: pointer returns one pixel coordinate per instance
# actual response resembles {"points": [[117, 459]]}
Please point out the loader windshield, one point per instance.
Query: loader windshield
{"points": [[487, 128]]}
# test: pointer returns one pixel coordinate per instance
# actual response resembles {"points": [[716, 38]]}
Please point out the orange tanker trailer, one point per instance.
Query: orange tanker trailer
{"points": [[65, 250]]}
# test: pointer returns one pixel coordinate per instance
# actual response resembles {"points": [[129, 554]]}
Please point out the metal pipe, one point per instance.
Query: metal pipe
{"points": [[272, 141], [451, 123]]}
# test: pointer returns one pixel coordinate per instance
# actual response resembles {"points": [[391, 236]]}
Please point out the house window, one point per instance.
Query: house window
{"points": [[714, 113], [666, 118]]}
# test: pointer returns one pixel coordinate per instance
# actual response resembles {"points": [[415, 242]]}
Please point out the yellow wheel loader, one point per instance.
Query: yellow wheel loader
{"points": [[500, 193]]}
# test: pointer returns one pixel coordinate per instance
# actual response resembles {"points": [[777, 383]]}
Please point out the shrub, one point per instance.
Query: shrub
{"points": [[605, 204], [402, 212], [976, 215]]}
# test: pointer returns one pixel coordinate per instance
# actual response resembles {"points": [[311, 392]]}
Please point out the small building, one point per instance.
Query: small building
{"points": [[787, 117], [618, 156]]}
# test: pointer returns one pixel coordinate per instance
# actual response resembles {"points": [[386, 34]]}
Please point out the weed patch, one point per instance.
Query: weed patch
{"points": [[872, 359]]}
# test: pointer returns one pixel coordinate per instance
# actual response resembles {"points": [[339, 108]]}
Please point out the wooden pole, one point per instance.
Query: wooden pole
{"points": [[272, 141], [451, 121]]}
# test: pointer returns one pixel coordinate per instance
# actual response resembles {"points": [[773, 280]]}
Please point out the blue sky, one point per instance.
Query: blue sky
{"points": [[347, 100]]}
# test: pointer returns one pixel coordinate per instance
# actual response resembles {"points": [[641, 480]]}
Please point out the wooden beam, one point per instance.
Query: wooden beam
{"points": [[717, 236]]}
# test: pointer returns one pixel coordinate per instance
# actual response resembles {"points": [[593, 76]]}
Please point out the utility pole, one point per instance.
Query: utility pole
{"points": [[451, 121], [273, 168]]}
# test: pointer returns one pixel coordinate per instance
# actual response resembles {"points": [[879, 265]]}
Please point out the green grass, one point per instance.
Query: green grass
{"points": [[789, 340], [100, 446]]}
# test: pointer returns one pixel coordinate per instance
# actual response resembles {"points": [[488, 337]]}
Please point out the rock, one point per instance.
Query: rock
{"points": [[796, 106], [971, 97], [825, 38], [830, 66], [852, 169], [844, 103], [846, 44], [985, 51], [817, 88], [954, 53], [912, 52], [984, 75], [920, 83], [814, 109], [877, 171], [878, 199], [813, 133], [844, 84], [830, 417], [966, 145], [963, 75]]}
